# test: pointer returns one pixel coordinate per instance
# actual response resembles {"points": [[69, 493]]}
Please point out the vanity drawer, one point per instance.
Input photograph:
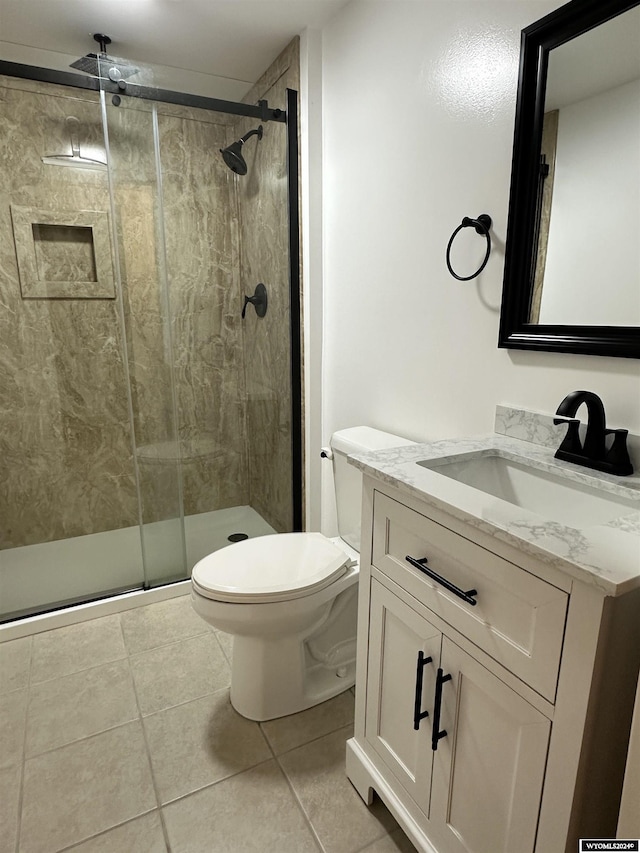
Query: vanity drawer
{"points": [[518, 619]]}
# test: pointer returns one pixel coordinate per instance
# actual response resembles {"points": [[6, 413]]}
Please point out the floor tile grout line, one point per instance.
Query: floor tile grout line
{"points": [[102, 832], [131, 654], [81, 739], [24, 753], [154, 783], [224, 654], [312, 740], [213, 784], [92, 666], [144, 716], [78, 671], [298, 802]]}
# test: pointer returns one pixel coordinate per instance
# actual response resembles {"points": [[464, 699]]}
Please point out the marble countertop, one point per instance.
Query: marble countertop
{"points": [[606, 555]]}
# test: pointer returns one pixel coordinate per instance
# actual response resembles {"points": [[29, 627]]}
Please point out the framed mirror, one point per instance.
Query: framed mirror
{"points": [[572, 262]]}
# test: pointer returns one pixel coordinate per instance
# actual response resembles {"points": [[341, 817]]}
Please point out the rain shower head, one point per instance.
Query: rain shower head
{"points": [[232, 155], [101, 65]]}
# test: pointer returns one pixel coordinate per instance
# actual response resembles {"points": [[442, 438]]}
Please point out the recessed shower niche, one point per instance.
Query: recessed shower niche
{"points": [[63, 254]]}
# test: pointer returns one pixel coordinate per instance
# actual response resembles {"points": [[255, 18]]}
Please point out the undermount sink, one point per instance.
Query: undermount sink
{"points": [[549, 495]]}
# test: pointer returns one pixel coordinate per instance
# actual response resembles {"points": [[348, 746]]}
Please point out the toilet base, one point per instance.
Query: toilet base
{"points": [[276, 677]]}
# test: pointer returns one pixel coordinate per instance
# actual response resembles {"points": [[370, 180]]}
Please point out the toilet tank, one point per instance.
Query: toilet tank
{"points": [[348, 479]]}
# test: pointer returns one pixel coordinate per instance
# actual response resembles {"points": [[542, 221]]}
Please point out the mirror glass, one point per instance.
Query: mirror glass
{"points": [[587, 268], [572, 260]]}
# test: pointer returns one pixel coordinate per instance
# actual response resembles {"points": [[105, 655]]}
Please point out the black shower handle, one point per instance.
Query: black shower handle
{"points": [[258, 300]]}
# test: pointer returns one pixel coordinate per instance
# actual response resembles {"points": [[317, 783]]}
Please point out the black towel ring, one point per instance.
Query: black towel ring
{"points": [[482, 225]]}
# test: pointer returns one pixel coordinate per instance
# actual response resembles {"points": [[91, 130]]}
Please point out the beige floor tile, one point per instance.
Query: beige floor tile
{"points": [[253, 812], [15, 662], [142, 835], [287, 733], [79, 705], [159, 624], [81, 789], [397, 842], [343, 823], [179, 673], [226, 644], [9, 800], [13, 717], [76, 647], [199, 743]]}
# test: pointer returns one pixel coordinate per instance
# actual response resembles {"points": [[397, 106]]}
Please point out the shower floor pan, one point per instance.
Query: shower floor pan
{"points": [[37, 578]]}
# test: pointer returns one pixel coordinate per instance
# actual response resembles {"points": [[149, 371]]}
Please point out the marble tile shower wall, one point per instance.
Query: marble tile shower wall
{"points": [[65, 443], [66, 459], [198, 317], [264, 257], [200, 210]]}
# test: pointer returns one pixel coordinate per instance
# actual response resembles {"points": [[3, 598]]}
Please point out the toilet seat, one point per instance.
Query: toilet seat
{"points": [[272, 568]]}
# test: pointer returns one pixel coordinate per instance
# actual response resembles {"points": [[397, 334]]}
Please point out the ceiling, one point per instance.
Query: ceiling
{"points": [[217, 48]]}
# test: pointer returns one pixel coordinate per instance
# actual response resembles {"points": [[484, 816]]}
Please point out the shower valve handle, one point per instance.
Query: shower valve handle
{"points": [[258, 300]]}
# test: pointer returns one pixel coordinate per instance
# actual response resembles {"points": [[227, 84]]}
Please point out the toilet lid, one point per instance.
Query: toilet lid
{"points": [[270, 568]]}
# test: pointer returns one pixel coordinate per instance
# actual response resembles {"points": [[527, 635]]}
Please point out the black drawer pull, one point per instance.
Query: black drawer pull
{"points": [[436, 734], [417, 713], [467, 596]]}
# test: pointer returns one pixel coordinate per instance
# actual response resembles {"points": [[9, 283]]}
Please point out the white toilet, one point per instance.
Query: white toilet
{"points": [[290, 600]]}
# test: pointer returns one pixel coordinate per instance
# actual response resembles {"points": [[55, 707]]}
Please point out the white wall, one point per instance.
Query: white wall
{"points": [[418, 111]]}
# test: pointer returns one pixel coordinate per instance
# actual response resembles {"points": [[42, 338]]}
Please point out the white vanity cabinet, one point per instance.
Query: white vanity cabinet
{"points": [[501, 741], [479, 724]]}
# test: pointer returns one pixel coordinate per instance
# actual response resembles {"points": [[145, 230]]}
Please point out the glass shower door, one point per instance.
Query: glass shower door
{"points": [[69, 500], [138, 217]]}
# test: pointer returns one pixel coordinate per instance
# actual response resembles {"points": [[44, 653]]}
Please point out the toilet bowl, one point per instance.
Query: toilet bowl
{"points": [[290, 600], [291, 589]]}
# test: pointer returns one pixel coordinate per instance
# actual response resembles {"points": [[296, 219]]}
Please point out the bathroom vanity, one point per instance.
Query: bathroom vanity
{"points": [[498, 649]]}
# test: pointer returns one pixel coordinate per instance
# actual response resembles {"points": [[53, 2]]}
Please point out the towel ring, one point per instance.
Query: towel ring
{"points": [[482, 225]]}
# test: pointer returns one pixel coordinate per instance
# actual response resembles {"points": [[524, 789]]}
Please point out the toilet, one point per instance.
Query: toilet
{"points": [[290, 599]]}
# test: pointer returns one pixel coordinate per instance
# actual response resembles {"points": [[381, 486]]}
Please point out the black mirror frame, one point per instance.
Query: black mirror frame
{"points": [[516, 332]]}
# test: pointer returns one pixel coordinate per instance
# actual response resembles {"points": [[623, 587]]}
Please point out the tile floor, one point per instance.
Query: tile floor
{"points": [[117, 736]]}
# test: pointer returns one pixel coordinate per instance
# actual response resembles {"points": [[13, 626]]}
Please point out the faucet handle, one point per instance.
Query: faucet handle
{"points": [[571, 442], [618, 454]]}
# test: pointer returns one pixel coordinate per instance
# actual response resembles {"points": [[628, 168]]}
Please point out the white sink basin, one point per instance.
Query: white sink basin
{"points": [[549, 495]]}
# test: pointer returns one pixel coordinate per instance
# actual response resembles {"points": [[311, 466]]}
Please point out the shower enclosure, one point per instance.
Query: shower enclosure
{"points": [[146, 419]]}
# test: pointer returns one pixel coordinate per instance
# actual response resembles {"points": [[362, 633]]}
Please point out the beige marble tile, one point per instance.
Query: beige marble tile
{"points": [[13, 716], [9, 800], [78, 705], [264, 253], [287, 733], [343, 823], [81, 399], [199, 743], [76, 647], [179, 672], [160, 624], [84, 788], [253, 812], [142, 835], [15, 664]]}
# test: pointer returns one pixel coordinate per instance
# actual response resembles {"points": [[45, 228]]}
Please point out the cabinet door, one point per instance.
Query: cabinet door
{"points": [[401, 687], [488, 770]]}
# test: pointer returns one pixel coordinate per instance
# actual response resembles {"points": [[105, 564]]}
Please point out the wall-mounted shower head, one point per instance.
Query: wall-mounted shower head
{"points": [[101, 65], [232, 154]]}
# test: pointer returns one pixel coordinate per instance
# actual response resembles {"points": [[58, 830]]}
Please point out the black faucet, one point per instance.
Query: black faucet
{"points": [[593, 452]]}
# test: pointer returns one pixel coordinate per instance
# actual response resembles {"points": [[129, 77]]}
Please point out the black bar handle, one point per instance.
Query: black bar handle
{"points": [[417, 713], [436, 734], [467, 596]]}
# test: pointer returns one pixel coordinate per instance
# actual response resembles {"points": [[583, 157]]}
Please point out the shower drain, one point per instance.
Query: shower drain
{"points": [[237, 537]]}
